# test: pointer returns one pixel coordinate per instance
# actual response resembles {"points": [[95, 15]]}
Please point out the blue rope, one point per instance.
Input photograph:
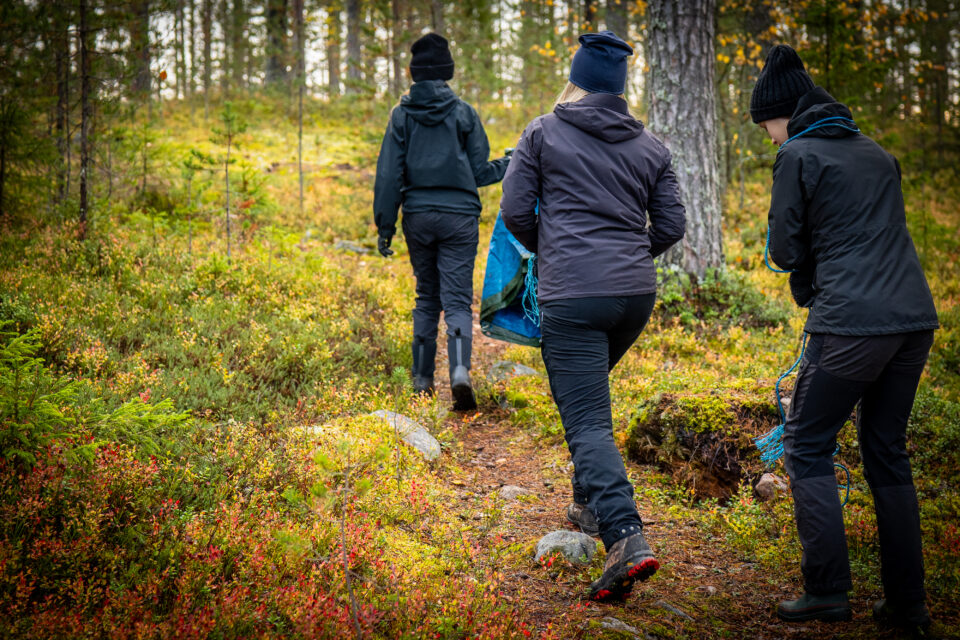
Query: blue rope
{"points": [[766, 257], [531, 307], [771, 444], [826, 122]]}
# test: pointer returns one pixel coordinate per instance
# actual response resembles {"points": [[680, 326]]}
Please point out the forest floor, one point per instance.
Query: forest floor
{"points": [[188, 452]]}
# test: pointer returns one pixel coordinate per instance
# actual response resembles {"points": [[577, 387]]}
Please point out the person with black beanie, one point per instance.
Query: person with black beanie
{"points": [[608, 204], [434, 156], [837, 224]]}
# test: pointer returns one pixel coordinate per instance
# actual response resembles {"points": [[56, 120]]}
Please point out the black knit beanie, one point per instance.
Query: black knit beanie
{"points": [[780, 86], [431, 59]]}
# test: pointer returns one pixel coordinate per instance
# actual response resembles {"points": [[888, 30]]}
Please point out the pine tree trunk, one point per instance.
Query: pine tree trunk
{"points": [[85, 115], [301, 80], [395, 29], [62, 55], [617, 17], [239, 40], [207, 54], [226, 28], [192, 76], [276, 71], [682, 101], [354, 73], [140, 41], [333, 50], [436, 16]]}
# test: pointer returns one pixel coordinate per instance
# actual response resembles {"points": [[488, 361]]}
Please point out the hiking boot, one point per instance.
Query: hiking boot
{"points": [[831, 607], [458, 349], [629, 560], [463, 398], [914, 618], [423, 384], [424, 357], [581, 516]]}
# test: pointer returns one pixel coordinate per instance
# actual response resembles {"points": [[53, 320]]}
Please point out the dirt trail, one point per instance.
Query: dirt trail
{"points": [[723, 595]]}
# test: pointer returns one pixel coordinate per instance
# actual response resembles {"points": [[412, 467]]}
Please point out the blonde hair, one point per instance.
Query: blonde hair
{"points": [[573, 93]]}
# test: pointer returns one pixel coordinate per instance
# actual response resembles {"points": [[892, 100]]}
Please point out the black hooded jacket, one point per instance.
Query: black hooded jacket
{"points": [[837, 218], [433, 157], [597, 173]]}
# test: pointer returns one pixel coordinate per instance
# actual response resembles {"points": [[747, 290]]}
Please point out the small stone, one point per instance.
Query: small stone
{"points": [[769, 486], [710, 589], [501, 461], [666, 606], [504, 370], [412, 433], [786, 403], [352, 247], [576, 547], [512, 492], [613, 624]]}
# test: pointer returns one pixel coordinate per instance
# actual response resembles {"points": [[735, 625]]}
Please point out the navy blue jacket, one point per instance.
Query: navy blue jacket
{"points": [[433, 157], [837, 218], [597, 173]]}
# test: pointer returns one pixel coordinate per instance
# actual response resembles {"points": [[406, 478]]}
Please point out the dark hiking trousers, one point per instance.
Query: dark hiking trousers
{"points": [[882, 374], [443, 248], [583, 338]]}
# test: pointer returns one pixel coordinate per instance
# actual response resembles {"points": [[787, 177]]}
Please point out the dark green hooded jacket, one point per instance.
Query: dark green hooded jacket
{"points": [[433, 157]]}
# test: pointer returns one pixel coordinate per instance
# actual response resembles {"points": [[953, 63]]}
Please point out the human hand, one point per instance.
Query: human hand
{"points": [[508, 152], [383, 246]]}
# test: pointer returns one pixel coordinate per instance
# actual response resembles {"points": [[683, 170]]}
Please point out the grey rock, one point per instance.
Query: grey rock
{"points": [[504, 370], [576, 547], [411, 433], [512, 492], [353, 247], [612, 624], [710, 590], [770, 485], [666, 606]]}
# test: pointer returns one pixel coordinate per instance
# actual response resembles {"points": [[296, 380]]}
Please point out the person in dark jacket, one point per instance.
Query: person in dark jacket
{"points": [[837, 222], [433, 157], [597, 174]]}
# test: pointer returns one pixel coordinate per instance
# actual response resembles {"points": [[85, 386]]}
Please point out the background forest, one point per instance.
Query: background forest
{"points": [[194, 326]]}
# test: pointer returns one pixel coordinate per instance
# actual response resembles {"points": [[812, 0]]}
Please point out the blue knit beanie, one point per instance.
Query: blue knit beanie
{"points": [[600, 64]]}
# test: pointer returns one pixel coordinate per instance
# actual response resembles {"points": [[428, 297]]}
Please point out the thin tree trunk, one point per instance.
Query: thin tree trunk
{"points": [[617, 11], [354, 73], [680, 53], [85, 115], [333, 50], [590, 14], [239, 40], [179, 53], [207, 54], [192, 76], [140, 40], [395, 30], [436, 16], [301, 80], [276, 71], [227, 37], [62, 39], [226, 179]]}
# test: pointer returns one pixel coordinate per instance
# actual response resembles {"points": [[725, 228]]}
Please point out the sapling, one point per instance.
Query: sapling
{"points": [[233, 125]]}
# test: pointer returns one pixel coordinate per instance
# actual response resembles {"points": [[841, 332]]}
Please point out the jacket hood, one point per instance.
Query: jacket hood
{"points": [[601, 115], [429, 102], [814, 106]]}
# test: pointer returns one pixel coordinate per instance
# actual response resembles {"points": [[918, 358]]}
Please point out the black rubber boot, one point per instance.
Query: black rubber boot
{"points": [[831, 607], [913, 618], [424, 358], [458, 349], [629, 560], [581, 516]]}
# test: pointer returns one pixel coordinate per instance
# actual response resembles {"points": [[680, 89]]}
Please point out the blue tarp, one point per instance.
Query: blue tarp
{"points": [[502, 315]]}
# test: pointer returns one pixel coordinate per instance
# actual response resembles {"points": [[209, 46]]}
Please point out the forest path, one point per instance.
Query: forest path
{"points": [[711, 590]]}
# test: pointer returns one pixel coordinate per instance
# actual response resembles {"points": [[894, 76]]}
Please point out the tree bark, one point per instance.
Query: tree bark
{"points": [[436, 16], [62, 56], [354, 73], [192, 75], [681, 93], [207, 54], [140, 43], [301, 79], [226, 28], [239, 40], [276, 72], [395, 29], [617, 17], [333, 49], [85, 115]]}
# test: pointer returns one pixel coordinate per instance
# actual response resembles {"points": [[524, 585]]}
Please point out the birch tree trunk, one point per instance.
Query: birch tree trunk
{"points": [[683, 113]]}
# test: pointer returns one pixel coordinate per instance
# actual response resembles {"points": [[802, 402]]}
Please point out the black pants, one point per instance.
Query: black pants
{"points": [[882, 374], [583, 338], [443, 248]]}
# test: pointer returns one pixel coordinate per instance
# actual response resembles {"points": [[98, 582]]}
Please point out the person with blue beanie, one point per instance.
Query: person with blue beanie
{"points": [[433, 158], [837, 224], [599, 178]]}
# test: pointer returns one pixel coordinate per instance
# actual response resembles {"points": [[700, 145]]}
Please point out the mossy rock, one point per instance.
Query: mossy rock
{"points": [[703, 440]]}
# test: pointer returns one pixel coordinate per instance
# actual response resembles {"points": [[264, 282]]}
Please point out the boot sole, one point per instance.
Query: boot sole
{"points": [[823, 614], [463, 398], [619, 585]]}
